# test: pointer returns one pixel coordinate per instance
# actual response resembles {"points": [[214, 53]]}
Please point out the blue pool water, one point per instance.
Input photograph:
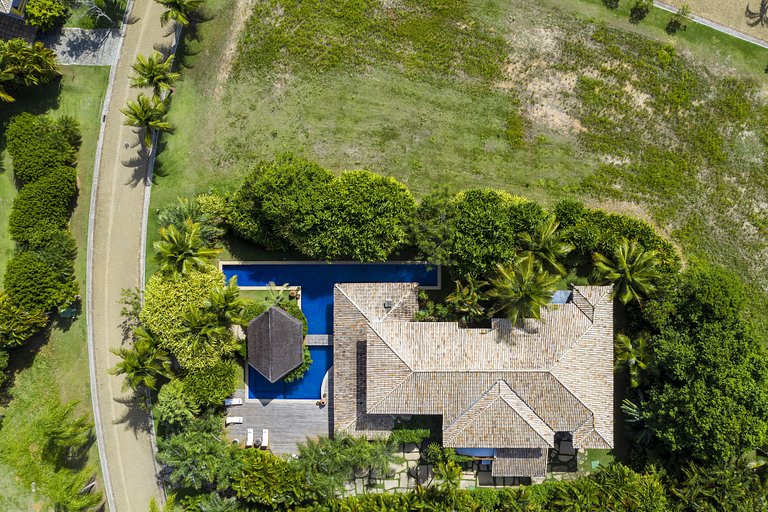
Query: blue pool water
{"points": [[308, 387], [318, 279]]}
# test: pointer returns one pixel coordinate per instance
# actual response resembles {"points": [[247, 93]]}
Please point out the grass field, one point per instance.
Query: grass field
{"points": [[58, 365], [436, 93]]}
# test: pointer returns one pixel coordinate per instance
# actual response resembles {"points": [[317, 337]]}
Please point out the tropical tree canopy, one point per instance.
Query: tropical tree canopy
{"points": [[180, 11], [181, 251], [25, 64], [147, 115], [632, 270], [143, 363], [633, 356], [154, 73], [521, 289], [547, 246]]}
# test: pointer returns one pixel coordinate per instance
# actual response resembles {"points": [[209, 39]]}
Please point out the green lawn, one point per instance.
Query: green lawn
{"points": [[430, 97], [58, 365]]}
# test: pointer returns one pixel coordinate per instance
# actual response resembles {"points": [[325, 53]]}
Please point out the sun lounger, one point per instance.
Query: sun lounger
{"points": [[265, 438], [249, 438], [233, 420], [229, 402]]}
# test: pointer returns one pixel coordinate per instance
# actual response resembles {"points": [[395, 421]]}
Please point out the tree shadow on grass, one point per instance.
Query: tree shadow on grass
{"points": [[22, 358], [34, 100]]}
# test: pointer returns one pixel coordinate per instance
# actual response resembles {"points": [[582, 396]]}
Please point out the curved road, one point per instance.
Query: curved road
{"points": [[115, 259]]}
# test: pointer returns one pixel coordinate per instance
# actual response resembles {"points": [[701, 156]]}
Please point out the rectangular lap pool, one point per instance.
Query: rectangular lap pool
{"points": [[318, 279]]}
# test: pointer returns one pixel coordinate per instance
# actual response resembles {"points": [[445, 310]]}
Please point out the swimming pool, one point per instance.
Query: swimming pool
{"points": [[318, 279], [308, 387]]}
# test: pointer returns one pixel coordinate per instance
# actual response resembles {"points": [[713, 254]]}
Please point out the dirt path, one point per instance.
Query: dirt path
{"points": [[242, 12], [115, 263]]}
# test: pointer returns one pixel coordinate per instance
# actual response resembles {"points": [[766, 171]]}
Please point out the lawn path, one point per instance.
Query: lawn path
{"points": [[115, 258]]}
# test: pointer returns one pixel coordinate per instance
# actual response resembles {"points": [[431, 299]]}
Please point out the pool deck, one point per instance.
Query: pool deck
{"points": [[289, 422]]}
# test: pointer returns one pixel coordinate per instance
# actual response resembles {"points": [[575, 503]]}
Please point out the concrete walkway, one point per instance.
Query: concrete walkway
{"points": [[715, 25], [115, 262], [81, 47]]}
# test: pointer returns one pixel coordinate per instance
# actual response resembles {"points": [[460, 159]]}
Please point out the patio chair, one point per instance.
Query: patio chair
{"points": [[249, 438], [264, 439], [229, 402], [233, 420]]}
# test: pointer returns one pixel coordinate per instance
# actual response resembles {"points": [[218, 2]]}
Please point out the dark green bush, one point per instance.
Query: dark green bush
{"points": [[17, 324], [209, 386], [277, 201], [483, 234], [363, 216], [611, 4], [39, 145], [42, 208], [34, 285], [416, 430], [640, 10]]}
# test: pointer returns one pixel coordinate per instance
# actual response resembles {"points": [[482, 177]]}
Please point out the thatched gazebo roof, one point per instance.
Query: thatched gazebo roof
{"points": [[275, 341]]}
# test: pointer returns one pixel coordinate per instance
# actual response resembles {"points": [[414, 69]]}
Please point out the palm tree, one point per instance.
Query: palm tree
{"points": [[632, 270], [180, 251], [143, 363], [521, 290], [633, 356], [180, 11], [170, 504], [466, 301], [201, 327], [547, 246], [759, 17], [155, 73], [22, 64], [146, 115], [224, 303]]}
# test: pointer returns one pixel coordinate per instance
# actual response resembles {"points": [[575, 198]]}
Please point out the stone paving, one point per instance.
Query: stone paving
{"points": [[81, 47], [405, 476]]}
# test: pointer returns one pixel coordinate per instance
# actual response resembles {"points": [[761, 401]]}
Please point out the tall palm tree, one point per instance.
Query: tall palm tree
{"points": [[201, 328], [181, 251], [154, 73], [224, 303], [147, 115], [632, 270], [143, 363], [547, 246], [180, 11], [632, 356], [521, 290]]}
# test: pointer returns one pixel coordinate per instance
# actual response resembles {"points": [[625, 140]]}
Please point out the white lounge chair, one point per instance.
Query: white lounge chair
{"points": [[249, 438], [233, 420], [265, 438], [229, 402]]}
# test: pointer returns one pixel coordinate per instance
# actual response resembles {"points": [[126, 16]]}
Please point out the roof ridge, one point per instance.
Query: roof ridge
{"points": [[397, 304], [394, 388], [512, 391], [370, 325], [466, 411]]}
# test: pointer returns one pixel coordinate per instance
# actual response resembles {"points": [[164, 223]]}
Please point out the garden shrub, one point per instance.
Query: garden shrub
{"points": [[34, 285], [277, 201], [362, 215], [209, 386], [39, 145], [416, 430], [640, 10], [269, 481], [300, 370], [167, 299], [44, 14], [17, 324], [42, 208], [483, 234], [174, 405], [58, 251], [431, 231]]}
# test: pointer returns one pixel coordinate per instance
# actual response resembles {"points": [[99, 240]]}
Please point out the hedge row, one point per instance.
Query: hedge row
{"points": [[40, 277], [295, 203]]}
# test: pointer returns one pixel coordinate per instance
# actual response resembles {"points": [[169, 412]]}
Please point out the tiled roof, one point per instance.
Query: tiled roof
{"points": [[275, 343], [519, 462], [501, 387], [12, 27]]}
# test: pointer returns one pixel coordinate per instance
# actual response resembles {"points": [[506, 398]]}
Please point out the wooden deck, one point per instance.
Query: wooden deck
{"points": [[289, 421]]}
